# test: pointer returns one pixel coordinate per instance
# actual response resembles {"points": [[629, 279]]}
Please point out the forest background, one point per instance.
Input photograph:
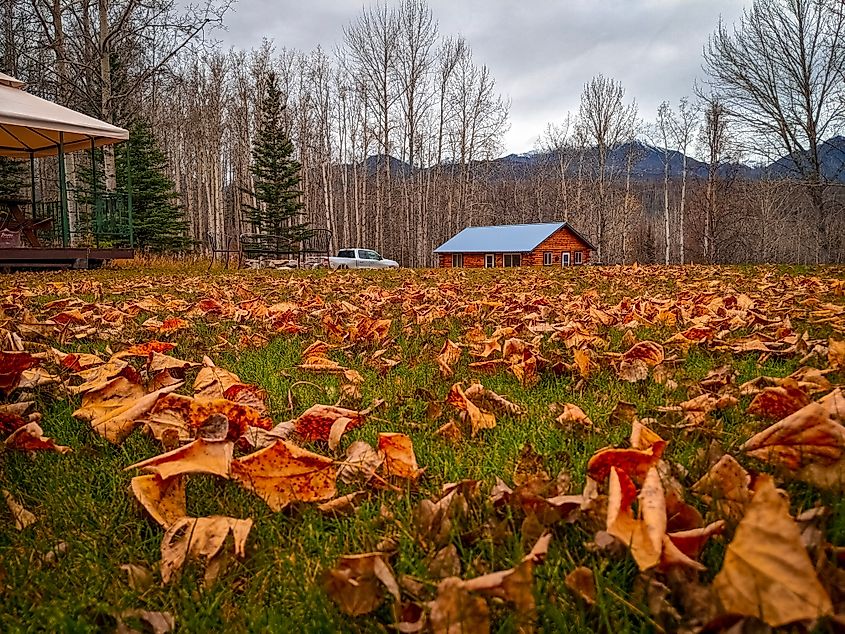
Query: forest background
{"points": [[399, 131]]}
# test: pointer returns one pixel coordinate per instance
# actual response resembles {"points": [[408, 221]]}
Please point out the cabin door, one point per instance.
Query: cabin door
{"points": [[564, 258]]}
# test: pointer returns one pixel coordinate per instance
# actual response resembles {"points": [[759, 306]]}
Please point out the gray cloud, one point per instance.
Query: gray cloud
{"points": [[541, 52]]}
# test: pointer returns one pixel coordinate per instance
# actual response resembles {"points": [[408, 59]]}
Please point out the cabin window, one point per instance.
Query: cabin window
{"points": [[512, 259], [490, 261], [547, 258], [457, 260], [564, 258], [578, 256]]}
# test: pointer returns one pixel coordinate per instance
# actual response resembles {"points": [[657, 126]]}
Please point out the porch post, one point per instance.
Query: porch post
{"points": [[63, 193], [129, 195]]}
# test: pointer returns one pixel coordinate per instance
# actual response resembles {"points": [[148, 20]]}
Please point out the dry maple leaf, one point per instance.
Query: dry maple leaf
{"points": [[186, 416], [448, 358], [644, 535], [356, 583], [775, 403], [116, 423], [163, 499], [146, 349], [767, 573], [635, 462], [571, 416], [633, 371], [582, 583], [201, 538], [583, 362], [648, 352], [12, 366], [457, 611], [399, 458], [199, 456], [159, 362], [836, 354], [318, 421], [726, 488], [809, 444], [156, 622], [114, 394], [212, 382], [479, 419], [283, 473], [22, 517], [487, 399], [31, 437]]}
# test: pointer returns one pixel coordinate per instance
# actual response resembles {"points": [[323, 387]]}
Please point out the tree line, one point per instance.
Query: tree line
{"points": [[397, 131]]}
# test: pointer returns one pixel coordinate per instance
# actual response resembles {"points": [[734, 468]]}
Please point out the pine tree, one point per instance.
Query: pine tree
{"points": [[159, 221], [12, 177], [276, 173]]}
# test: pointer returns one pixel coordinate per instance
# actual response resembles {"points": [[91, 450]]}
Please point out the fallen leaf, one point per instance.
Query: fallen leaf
{"points": [[574, 416], [139, 578], [775, 403], [199, 456], [163, 499], [479, 419], [157, 622], [726, 488], [31, 437], [360, 464], [283, 473], [648, 352], [836, 354], [22, 517], [12, 366], [399, 458], [201, 538], [448, 358], [582, 583], [643, 536], [356, 583], [766, 572], [187, 416]]}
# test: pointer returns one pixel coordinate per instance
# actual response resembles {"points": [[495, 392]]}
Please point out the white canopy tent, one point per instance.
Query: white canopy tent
{"points": [[33, 127]]}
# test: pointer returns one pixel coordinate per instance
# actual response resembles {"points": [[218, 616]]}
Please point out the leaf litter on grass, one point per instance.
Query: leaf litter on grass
{"points": [[494, 347]]}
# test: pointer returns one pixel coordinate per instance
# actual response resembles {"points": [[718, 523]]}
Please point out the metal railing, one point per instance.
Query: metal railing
{"points": [[104, 222]]}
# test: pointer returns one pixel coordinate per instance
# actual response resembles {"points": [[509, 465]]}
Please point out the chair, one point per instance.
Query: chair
{"points": [[229, 245]]}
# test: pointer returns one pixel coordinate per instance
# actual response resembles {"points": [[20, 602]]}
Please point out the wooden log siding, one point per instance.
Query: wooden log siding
{"points": [[562, 240]]}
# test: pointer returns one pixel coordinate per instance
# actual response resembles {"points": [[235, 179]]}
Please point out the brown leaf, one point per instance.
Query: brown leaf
{"points": [[361, 463], [583, 362], [115, 424], [112, 395], [399, 458], [457, 611], [633, 371], [445, 563], [283, 473], [356, 583], [316, 422], [836, 354], [808, 444], [648, 352], [644, 536], [139, 578], [775, 403], [201, 538], [767, 572], [726, 488], [159, 362], [12, 366], [635, 462], [188, 416], [448, 358], [582, 583], [212, 382], [488, 400], [574, 416], [163, 499], [199, 456], [22, 517], [31, 437], [478, 418], [157, 622], [344, 505]]}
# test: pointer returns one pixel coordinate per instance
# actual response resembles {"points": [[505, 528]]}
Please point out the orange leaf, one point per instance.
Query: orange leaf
{"points": [[399, 458], [283, 473], [200, 456]]}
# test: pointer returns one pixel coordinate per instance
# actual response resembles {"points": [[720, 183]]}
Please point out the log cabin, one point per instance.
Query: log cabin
{"points": [[538, 244]]}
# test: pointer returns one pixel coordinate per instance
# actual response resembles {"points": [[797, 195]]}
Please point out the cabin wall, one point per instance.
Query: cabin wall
{"points": [[557, 243]]}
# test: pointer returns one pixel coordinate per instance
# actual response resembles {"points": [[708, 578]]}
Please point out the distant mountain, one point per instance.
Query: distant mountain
{"points": [[647, 164], [832, 154]]}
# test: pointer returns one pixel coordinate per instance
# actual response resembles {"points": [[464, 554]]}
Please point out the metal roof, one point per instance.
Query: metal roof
{"points": [[503, 238]]}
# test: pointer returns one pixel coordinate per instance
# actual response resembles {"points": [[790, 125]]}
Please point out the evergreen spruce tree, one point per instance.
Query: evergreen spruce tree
{"points": [[12, 177], [276, 173], [159, 221]]}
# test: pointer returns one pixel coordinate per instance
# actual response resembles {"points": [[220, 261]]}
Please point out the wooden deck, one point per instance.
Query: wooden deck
{"points": [[58, 258]]}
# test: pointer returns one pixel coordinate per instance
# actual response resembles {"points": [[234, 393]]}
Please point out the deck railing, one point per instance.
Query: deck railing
{"points": [[104, 222]]}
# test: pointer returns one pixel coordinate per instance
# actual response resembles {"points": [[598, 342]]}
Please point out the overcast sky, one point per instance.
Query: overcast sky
{"points": [[541, 52]]}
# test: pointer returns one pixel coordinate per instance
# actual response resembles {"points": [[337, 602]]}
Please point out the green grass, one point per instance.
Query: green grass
{"points": [[82, 499]]}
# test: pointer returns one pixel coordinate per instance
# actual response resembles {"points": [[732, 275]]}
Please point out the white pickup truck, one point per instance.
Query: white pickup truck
{"points": [[361, 259]]}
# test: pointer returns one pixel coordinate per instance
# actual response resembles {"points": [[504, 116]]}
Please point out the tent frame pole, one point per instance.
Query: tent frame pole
{"points": [[98, 221], [63, 193], [32, 181]]}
